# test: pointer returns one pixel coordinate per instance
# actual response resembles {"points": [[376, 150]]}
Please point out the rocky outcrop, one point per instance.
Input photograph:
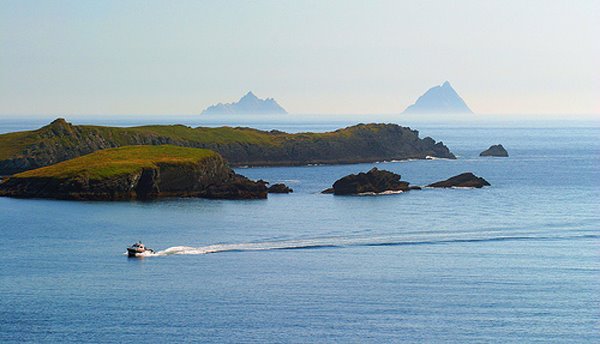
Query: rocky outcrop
{"points": [[208, 177], [495, 150], [60, 141], [238, 187], [280, 188], [464, 180], [373, 182]]}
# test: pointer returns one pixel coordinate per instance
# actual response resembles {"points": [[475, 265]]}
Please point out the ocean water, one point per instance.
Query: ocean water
{"points": [[518, 262]]}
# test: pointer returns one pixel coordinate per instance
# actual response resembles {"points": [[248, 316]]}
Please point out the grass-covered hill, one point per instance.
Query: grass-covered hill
{"points": [[60, 140], [113, 162], [135, 172]]}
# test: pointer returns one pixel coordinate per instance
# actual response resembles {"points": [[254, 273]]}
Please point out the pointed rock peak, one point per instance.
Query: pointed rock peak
{"points": [[439, 100], [250, 95]]}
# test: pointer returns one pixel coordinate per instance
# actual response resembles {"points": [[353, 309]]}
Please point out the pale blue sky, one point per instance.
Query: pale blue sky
{"points": [[177, 57]]}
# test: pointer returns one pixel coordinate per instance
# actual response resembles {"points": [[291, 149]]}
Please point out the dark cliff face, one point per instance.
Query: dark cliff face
{"points": [[61, 141], [210, 178]]}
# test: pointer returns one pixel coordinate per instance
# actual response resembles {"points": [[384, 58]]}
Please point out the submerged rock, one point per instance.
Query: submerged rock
{"points": [[280, 188], [495, 150], [464, 180], [373, 182]]}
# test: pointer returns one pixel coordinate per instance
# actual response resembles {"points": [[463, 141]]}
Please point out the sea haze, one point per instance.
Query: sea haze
{"points": [[515, 262]]}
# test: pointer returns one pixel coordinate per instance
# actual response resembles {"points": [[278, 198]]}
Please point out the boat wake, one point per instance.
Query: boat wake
{"points": [[340, 242]]}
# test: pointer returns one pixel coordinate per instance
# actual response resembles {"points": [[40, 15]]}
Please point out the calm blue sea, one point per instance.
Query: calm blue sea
{"points": [[518, 262]]}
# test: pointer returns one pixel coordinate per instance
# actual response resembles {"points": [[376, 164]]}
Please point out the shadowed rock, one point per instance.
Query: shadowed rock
{"points": [[464, 180], [373, 182], [280, 188]]}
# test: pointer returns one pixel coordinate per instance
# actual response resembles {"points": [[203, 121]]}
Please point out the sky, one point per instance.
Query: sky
{"points": [[331, 57]]}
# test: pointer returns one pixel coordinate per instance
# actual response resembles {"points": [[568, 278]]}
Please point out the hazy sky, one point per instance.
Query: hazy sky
{"points": [[177, 57]]}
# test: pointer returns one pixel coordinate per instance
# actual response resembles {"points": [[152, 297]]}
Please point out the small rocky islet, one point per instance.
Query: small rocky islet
{"points": [[375, 181], [496, 151], [463, 180], [279, 188], [378, 182]]}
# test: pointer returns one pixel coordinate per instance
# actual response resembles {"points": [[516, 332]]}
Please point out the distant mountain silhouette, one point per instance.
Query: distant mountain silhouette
{"points": [[248, 104], [439, 99]]}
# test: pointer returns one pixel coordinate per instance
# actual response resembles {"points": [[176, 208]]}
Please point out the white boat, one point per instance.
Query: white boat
{"points": [[138, 250]]}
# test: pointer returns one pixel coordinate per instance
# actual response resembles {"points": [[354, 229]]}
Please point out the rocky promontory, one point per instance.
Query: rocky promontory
{"points": [[373, 182], [464, 180], [61, 140], [495, 150], [136, 172]]}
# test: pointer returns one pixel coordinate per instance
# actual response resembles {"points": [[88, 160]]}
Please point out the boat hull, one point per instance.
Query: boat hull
{"points": [[135, 252]]}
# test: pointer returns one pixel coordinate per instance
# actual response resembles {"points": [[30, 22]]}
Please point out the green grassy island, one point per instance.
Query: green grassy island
{"points": [[60, 141]]}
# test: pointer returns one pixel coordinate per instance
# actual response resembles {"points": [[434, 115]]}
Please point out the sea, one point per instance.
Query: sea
{"points": [[516, 262]]}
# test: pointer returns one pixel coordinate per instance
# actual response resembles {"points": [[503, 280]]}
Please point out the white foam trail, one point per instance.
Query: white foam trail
{"points": [[332, 242], [429, 157], [388, 192], [257, 246]]}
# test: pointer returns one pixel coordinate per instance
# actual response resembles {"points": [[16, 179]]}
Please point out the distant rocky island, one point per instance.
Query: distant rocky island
{"points": [[136, 172], [61, 140], [247, 105], [439, 100]]}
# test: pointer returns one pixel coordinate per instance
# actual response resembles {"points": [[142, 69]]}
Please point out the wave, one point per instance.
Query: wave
{"points": [[241, 247], [387, 192], [429, 157], [340, 242]]}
